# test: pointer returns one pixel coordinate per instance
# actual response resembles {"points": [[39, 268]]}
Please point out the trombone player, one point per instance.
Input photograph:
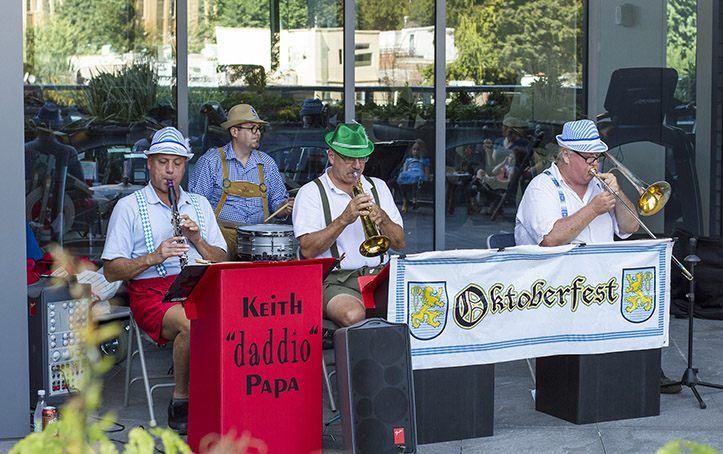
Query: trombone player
{"points": [[566, 204], [332, 219]]}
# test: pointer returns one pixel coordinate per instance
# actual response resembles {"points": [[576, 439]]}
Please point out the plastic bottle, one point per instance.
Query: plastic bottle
{"points": [[38, 415]]}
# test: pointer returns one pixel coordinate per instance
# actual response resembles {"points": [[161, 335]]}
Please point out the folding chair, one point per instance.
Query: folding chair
{"points": [[500, 240], [141, 351], [329, 327]]}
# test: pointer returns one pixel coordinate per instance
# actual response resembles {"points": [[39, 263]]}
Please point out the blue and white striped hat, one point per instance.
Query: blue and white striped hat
{"points": [[169, 140], [582, 136]]}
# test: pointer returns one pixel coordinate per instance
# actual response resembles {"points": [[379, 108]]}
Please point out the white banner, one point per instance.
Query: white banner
{"points": [[486, 306]]}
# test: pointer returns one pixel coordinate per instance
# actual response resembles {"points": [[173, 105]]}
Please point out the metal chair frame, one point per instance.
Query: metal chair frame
{"points": [[140, 351]]}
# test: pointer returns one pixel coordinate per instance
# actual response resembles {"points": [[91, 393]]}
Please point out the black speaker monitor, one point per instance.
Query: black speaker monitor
{"points": [[376, 391], [640, 96]]}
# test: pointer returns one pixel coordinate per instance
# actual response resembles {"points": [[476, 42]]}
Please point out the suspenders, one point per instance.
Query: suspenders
{"points": [[561, 195], [243, 189], [327, 209], [146, 223]]}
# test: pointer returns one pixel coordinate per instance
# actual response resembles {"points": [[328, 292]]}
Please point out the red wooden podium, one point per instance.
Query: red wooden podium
{"points": [[255, 352]]}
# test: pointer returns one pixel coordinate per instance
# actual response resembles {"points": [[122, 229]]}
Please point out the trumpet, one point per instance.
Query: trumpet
{"points": [[652, 198], [375, 243], [176, 218]]}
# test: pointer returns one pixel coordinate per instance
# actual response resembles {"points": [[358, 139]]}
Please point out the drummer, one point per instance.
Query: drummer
{"points": [[242, 183]]}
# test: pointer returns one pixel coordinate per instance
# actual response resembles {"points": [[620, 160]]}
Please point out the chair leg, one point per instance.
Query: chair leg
{"points": [[332, 404], [129, 359], [146, 382]]}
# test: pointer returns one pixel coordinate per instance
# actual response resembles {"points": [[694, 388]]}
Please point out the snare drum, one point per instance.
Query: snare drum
{"points": [[266, 243]]}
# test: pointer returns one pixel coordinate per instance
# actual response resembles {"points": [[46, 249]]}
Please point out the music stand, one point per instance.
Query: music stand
{"points": [[690, 376]]}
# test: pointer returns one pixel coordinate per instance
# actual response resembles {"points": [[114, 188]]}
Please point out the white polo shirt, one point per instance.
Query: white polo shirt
{"points": [[125, 230], [308, 217], [541, 207]]}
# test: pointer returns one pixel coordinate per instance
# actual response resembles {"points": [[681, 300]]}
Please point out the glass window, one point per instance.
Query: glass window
{"points": [[393, 82], [290, 58], [514, 72], [99, 78]]}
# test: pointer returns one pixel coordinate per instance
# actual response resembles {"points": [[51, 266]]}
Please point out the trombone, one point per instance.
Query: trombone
{"points": [[652, 199]]}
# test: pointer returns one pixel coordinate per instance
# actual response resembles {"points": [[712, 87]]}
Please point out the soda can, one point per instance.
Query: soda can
{"points": [[50, 415]]}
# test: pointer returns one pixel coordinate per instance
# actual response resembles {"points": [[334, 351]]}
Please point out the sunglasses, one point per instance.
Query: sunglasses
{"points": [[253, 129], [590, 159]]}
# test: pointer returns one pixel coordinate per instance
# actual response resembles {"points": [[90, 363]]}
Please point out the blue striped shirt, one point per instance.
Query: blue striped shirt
{"points": [[207, 180]]}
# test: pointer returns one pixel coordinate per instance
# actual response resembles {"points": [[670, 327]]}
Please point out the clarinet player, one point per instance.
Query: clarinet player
{"points": [[142, 247]]}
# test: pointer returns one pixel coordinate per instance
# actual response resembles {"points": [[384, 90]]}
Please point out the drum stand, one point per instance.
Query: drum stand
{"points": [[690, 376]]}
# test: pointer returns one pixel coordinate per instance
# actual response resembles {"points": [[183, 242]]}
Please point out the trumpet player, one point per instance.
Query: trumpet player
{"points": [[566, 204], [328, 216], [140, 247]]}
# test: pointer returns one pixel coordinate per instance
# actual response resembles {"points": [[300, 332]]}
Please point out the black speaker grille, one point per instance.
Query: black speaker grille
{"points": [[381, 398], [371, 436], [366, 377], [387, 346], [391, 405]]}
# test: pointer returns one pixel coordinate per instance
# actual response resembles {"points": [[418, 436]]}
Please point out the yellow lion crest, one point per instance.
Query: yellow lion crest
{"points": [[639, 299], [427, 299]]}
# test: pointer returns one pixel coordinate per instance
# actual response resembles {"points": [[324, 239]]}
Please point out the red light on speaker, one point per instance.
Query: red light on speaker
{"points": [[399, 435]]}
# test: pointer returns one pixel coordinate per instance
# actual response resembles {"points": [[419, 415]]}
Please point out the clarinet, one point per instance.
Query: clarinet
{"points": [[176, 219]]}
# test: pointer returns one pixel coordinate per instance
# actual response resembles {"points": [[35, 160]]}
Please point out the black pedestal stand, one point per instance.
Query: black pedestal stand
{"points": [[690, 376]]}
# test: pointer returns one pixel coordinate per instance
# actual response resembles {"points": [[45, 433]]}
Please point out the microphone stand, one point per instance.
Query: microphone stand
{"points": [[690, 376]]}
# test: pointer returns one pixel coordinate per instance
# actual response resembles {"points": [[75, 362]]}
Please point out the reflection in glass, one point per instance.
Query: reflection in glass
{"points": [[394, 66], [512, 81], [99, 79], [284, 62]]}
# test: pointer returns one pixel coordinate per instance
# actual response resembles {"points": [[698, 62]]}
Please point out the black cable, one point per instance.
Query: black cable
{"points": [[120, 428]]}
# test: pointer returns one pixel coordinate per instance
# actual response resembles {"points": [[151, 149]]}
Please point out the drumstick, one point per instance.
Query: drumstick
{"points": [[281, 208]]}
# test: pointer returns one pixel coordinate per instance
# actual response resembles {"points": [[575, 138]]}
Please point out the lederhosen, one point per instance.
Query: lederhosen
{"points": [[244, 189], [346, 278]]}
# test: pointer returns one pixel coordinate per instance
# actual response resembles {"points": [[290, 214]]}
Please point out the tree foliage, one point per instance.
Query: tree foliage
{"points": [[681, 45]]}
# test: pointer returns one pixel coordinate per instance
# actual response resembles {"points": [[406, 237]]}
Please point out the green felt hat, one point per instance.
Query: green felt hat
{"points": [[349, 139]]}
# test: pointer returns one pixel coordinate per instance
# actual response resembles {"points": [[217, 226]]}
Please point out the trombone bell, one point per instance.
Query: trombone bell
{"points": [[654, 198]]}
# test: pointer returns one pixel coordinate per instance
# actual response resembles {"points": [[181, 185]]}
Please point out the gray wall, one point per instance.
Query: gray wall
{"points": [[14, 417], [642, 43]]}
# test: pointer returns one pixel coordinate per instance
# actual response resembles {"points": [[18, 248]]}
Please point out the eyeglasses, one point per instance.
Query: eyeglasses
{"points": [[590, 159], [349, 160], [253, 129]]}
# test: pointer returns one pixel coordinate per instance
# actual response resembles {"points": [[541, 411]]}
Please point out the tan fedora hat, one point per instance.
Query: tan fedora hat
{"points": [[240, 114]]}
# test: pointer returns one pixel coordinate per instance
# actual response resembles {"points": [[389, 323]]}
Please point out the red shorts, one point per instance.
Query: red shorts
{"points": [[145, 301]]}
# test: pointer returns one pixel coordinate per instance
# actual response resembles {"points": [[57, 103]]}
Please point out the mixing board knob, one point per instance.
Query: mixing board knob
{"points": [[65, 304], [65, 343], [51, 328], [56, 355], [51, 314], [52, 321], [66, 354], [52, 344]]}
